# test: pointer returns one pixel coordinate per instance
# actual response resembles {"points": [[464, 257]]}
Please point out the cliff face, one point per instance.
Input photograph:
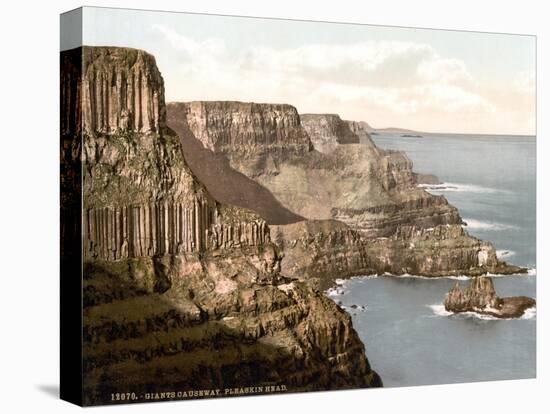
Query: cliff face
{"points": [[225, 183], [319, 251], [141, 198], [480, 297], [327, 131], [359, 184], [251, 135], [180, 290], [122, 90], [373, 191]]}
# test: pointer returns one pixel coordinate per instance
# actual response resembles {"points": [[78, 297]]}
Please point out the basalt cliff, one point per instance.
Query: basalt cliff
{"points": [[184, 290], [357, 208]]}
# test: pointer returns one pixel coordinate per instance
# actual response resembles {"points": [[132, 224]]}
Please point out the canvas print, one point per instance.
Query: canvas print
{"points": [[264, 206]]}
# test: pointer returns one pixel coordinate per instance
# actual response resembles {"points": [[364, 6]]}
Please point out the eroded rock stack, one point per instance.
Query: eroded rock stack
{"points": [[480, 297], [181, 291]]}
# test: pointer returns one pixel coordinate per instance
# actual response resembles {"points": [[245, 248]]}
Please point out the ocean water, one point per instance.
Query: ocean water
{"points": [[409, 337]]}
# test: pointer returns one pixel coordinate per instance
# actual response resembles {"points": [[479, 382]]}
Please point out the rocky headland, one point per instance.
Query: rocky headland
{"points": [[480, 297], [361, 207], [180, 289]]}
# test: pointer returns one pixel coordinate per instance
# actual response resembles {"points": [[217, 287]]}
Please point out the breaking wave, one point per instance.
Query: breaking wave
{"points": [[341, 285], [439, 310], [408, 275], [487, 225], [463, 188]]}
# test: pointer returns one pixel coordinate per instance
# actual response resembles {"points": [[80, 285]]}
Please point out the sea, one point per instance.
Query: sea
{"points": [[410, 338]]}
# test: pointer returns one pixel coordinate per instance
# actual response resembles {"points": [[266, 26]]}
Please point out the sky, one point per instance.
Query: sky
{"points": [[421, 79]]}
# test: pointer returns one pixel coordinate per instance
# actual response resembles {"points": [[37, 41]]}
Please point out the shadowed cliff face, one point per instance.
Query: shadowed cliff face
{"points": [[214, 330], [249, 134], [224, 182], [180, 290]]}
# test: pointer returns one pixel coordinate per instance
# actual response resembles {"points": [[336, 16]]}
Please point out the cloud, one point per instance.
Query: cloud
{"points": [[525, 82], [390, 79], [189, 47]]}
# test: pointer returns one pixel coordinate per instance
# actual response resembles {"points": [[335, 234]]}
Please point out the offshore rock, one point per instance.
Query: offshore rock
{"points": [[480, 297], [181, 291], [427, 179]]}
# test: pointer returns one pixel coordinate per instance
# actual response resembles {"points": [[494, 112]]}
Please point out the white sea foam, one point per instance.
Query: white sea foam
{"points": [[530, 272], [530, 313], [341, 285], [408, 275], [464, 188], [487, 225], [439, 310], [334, 291]]}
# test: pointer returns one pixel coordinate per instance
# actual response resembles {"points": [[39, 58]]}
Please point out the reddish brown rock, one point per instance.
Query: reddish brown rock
{"points": [[181, 291]]}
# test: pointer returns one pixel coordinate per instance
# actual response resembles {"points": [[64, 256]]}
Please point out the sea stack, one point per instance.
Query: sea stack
{"points": [[480, 297]]}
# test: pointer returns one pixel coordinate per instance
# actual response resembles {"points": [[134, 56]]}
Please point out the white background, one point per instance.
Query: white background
{"points": [[29, 267]]}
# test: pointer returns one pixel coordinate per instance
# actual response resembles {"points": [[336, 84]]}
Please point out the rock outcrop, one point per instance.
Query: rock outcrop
{"points": [[215, 328], [316, 251], [181, 291], [121, 91], [426, 179], [480, 297]]}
